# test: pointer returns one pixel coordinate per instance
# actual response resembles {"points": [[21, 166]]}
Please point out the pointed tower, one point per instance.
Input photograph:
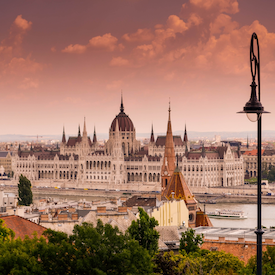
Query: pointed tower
{"points": [[63, 136], [121, 105], [152, 139], [168, 166], [94, 138], [247, 144], [84, 128], [185, 138], [179, 190], [79, 135]]}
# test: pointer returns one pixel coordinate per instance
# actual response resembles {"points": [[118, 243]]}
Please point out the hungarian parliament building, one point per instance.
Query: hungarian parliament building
{"points": [[122, 164]]}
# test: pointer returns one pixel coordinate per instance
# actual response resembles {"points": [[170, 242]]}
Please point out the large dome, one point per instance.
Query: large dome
{"points": [[124, 122]]}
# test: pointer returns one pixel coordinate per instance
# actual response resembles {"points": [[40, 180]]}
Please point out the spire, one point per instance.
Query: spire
{"points": [[63, 137], [152, 139], [169, 160], [247, 144], [185, 138], [169, 111], [84, 128], [121, 105], [79, 135], [94, 139]]}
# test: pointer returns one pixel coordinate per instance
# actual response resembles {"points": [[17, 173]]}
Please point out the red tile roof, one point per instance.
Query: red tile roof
{"points": [[252, 152], [23, 227]]}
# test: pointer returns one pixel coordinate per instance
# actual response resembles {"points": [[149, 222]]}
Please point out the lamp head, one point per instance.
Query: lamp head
{"points": [[253, 108]]}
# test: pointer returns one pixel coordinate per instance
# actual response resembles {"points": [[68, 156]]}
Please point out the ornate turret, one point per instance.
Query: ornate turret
{"points": [[79, 135], [84, 129], [168, 166], [94, 138], [152, 139], [185, 138], [63, 136]]}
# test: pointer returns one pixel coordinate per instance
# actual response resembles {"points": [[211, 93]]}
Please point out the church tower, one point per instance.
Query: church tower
{"points": [[179, 190], [169, 160]]}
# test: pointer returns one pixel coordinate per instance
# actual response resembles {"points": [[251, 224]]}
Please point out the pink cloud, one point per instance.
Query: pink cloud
{"points": [[77, 48], [228, 6], [53, 49], [140, 35], [20, 65], [22, 23], [106, 41], [119, 61], [176, 24], [12, 44]]}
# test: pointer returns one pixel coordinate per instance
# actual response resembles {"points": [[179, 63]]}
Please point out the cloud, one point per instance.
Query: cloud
{"points": [[141, 35], [20, 65], [28, 83], [12, 44], [176, 24], [119, 61], [77, 48], [106, 41], [22, 23], [228, 6], [53, 49]]}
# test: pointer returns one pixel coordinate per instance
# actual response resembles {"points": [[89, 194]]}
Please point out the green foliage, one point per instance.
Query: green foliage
{"points": [[24, 191], [189, 242], [5, 233], [268, 263], [143, 231], [198, 263], [93, 250]]}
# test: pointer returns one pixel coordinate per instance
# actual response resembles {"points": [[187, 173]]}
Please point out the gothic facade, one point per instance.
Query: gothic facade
{"points": [[123, 165]]}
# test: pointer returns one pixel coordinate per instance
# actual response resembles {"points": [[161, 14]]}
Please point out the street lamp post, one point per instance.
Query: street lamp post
{"points": [[254, 110]]}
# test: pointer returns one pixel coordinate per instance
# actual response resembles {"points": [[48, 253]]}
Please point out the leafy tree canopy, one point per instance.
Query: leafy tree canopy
{"points": [[143, 231], [189, 242], [24, 191]]}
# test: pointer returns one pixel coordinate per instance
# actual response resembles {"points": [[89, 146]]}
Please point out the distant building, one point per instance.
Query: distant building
{"points": [[121, 164], [251, 161]]}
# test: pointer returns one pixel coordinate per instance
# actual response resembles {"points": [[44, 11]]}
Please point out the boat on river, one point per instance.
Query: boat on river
{"points": [[226, 214]]}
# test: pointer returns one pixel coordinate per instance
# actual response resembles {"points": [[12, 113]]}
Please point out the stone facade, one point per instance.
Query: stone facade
{"points": [[121, 164]]}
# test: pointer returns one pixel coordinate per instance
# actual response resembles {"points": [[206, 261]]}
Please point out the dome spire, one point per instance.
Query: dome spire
{"points": [[121, 105], [152, 139]]}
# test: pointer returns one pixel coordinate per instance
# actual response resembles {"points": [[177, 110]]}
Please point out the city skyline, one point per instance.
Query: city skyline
{"points": [[61, 61]]}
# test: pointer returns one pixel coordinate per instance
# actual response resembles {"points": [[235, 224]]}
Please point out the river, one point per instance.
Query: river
{"points": [[250, 210]]}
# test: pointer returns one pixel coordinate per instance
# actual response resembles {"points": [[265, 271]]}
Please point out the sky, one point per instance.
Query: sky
{"points": [[63, 60]]}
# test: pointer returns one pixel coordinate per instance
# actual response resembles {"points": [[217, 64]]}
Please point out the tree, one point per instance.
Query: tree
{"points": [[143, 231], [197, 263], [24, 191], [189, 242], [93, 250], [268, 262]]}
